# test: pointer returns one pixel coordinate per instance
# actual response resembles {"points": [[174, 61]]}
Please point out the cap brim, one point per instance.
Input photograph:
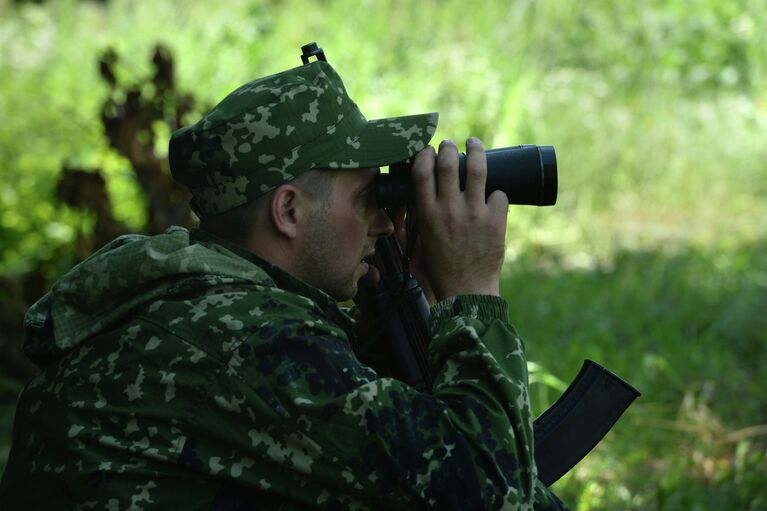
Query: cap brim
{"points": [[384, 141]]}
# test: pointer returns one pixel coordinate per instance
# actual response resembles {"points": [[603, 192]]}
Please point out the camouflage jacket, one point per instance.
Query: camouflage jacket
{"points": [[182, 372]]}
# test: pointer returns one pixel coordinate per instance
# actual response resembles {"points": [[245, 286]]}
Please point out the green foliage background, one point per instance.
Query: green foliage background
{"points": [[653, 262]]}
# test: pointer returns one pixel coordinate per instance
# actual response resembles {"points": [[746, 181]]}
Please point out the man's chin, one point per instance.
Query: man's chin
{"points": [[343, 294], [366, 279]]}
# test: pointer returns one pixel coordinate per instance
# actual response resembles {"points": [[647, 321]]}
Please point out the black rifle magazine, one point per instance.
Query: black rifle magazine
{"points": [[570, 428]]}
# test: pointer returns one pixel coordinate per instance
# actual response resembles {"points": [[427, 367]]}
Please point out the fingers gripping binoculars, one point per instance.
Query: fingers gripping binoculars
{"points": [[526, 173]]}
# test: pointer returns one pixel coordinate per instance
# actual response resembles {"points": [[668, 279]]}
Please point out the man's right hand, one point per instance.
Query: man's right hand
{"points": [[462, 236]]}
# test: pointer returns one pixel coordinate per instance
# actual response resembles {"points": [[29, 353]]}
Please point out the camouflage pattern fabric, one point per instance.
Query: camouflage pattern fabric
{"points": [[182, 372], [272, 129]]}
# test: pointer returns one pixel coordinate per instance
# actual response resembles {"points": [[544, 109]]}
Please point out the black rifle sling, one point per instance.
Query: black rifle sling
{"points": [[400, 337]]}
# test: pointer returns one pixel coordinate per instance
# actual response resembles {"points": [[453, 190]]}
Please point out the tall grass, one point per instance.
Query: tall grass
{"points": [[688, 330]]}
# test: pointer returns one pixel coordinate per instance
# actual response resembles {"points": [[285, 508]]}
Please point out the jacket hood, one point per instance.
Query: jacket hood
{"points": [[130, 272]]}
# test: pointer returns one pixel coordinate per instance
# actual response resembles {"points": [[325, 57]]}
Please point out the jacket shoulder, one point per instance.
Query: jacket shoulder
{"points": [[221, 317]]}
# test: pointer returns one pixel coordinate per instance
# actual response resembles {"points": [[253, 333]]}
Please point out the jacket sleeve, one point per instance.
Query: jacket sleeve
{"points": [[296, 414]]}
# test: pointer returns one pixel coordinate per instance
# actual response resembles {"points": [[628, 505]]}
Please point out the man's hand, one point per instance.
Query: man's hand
{"points": [[462, 236]]}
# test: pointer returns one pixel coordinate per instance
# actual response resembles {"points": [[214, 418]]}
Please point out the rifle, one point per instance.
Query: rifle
{"points": [[564, 434]]}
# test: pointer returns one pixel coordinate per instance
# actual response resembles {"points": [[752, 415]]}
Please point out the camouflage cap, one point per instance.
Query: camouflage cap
{"points": [[271, 130]]}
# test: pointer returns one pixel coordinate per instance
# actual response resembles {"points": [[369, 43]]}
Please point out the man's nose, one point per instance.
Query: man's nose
{"points": [[382, 225]]}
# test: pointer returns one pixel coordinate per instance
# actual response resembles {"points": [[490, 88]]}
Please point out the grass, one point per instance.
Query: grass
{"points": [[652, 262], [688, 330]]}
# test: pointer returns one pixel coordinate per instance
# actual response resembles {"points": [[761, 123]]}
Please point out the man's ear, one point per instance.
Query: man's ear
{"points": [[286, 210]]}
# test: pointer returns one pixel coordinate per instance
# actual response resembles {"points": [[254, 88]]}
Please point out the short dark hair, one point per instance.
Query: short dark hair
{"points": [[236, 225]]}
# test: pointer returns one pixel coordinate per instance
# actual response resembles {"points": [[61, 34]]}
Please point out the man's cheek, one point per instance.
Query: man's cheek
{"points": [[347, 237]]}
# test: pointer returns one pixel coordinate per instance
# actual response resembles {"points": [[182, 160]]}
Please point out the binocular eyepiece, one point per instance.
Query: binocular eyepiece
{"points": [[526, 173]]}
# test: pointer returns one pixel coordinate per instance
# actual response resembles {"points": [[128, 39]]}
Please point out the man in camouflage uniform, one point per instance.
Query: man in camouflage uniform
{"points": [[189, 371]]}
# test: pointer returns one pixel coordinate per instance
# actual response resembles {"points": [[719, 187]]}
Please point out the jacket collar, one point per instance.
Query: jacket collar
{"points": [[282, 279]]}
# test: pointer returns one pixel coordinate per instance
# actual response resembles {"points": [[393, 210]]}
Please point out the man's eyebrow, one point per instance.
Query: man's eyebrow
{"points": [[367, 186]]}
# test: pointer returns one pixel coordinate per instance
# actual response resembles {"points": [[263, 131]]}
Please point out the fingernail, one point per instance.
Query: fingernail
{"points": [[473, 140], [427, 149], [447, 141]]}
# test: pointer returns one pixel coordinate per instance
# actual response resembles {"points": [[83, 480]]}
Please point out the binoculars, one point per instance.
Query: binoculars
{"points": [[526, 173]]}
